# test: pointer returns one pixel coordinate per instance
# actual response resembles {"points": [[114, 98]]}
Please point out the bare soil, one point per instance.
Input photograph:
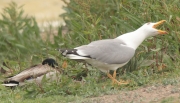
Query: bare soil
{"points": [[149, 94]]}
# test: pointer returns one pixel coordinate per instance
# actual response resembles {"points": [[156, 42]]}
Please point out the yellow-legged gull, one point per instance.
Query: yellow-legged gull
{"points": [[110, 54]]}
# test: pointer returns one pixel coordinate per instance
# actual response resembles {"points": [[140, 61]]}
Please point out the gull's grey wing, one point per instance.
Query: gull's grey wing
{"points": [[110, 51]]}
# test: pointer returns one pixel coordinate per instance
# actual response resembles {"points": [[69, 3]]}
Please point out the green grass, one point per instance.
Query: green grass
{"points": [[22, 46], [169, 100]]}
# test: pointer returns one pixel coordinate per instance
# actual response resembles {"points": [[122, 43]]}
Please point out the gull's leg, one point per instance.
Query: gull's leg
{"points": [[114, 79], [121, 81]]}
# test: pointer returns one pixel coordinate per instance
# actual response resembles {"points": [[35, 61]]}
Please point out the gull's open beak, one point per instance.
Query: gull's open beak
{"points": [[159, 23]]}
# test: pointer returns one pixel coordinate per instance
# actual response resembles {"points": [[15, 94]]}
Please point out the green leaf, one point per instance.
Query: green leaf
{"points": [[4, 67], [167, 59], [146, 63], [155, 50], [20, 46]]}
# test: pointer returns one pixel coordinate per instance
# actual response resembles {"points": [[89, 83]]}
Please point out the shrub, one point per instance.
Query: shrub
{"points": [[19, 34]]}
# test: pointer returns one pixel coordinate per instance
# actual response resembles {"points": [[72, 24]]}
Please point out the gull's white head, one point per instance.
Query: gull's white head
{"points": [[151, 28], [135, 38]]}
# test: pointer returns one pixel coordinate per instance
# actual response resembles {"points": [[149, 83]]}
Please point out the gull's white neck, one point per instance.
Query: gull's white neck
{"points": [[133, 39]]}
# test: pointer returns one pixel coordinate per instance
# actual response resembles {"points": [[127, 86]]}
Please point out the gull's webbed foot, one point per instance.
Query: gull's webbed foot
{"points": [[114, 80]]}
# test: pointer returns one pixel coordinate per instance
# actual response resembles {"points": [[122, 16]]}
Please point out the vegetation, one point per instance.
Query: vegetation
{"points": [[19, 34], [156, 60]]}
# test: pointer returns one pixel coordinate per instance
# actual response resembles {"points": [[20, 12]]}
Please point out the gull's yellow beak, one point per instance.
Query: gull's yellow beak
{"points": [[159, 23]]}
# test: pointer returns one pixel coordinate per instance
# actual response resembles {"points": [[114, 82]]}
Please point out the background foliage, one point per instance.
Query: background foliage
{"points": [[93, 20], [88, 20], [19, 34]]}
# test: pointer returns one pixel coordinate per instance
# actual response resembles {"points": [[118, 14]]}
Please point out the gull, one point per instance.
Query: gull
{"points": [[111, 54]]}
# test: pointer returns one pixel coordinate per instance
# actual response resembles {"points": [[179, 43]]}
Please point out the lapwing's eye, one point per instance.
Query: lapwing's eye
{"points": [[148, 23]]}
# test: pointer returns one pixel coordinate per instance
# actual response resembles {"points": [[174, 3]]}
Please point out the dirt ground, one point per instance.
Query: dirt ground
{"points": [[150, 94]]}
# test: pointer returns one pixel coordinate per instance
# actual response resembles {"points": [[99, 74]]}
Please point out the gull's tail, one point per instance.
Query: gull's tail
{"points": [[66, 52], [73, 54]]}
